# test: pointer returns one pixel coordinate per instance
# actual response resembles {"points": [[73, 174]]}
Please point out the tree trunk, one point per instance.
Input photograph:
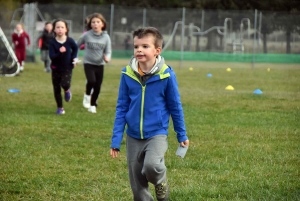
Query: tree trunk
{"points": [[265, 43], [288, 42]]}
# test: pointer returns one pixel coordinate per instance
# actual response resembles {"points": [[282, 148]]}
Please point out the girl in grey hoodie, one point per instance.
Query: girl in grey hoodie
{"points": [[97, 52]]}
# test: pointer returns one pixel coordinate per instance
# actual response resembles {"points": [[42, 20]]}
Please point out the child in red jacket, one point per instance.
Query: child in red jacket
{"points": [[19, 38]]}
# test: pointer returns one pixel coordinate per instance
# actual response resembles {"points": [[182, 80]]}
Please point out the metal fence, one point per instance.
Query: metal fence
{"points": [[185, 30]]}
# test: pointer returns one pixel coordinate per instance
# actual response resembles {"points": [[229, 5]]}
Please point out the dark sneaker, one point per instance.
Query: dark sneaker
{"points": [[60, 111], [68, 95], [162, 191]]}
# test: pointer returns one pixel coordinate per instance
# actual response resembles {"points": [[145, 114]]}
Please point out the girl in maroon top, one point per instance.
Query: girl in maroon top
{"points": [[20, 39]]}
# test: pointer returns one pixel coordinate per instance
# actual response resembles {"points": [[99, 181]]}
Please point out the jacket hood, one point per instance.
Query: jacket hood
{"points": [[156, 68]]}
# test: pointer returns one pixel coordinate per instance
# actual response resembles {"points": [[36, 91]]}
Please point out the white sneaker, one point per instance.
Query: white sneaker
{"points": [[86, 101], [21, 68], [92, 109]]}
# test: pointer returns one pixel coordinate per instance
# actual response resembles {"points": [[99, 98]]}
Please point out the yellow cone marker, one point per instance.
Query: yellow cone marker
{"points": [[229, 88], [228, 69], [191, 68], [268, 69]]}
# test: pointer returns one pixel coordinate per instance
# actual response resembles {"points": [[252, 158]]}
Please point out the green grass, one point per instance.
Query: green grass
{"points": [[243, 146]]}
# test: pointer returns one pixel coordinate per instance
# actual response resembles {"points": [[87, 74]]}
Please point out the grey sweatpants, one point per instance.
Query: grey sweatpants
{"points": [[146, 163]]}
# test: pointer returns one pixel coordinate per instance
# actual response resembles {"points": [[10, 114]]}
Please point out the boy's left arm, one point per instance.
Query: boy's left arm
{"points": [[175, 107]]}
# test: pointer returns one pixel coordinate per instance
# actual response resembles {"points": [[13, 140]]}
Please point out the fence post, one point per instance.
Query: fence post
{"points": [[254, 39], [111, 24], [259, 32], [84, 16], [202, 28], [144, 17], [182, 36]]}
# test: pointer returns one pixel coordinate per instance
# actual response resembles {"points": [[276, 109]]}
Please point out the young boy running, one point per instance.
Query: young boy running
{"points": [[148, 95]]}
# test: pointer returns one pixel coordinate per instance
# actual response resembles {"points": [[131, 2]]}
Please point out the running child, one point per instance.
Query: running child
{"points": [[20, 40], [63, 52], [97, 52], [148, 95], [44, 39]]}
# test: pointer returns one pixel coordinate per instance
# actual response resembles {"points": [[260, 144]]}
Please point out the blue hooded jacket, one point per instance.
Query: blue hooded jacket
{"points": [[146, 109]]}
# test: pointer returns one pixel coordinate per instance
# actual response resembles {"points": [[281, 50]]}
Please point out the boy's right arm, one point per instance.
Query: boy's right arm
{"points": [[120, 121]]}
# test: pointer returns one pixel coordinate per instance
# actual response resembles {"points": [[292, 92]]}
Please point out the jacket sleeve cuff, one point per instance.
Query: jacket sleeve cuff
{"points": [[182, 138], [115, 146]]}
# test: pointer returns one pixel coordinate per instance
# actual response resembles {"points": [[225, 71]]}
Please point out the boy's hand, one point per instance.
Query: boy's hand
{"points": [[185, 143], [114, 152]]}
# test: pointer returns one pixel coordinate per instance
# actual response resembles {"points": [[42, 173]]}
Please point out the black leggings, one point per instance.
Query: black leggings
{"points": [[94, 76], [60, 80]]}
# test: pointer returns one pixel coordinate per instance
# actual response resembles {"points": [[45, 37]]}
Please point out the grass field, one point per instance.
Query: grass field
{"points": [[243, 146]]}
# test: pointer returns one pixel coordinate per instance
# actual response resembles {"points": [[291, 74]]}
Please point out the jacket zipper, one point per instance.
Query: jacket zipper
{"points": [[142, 104], [142, 111]]}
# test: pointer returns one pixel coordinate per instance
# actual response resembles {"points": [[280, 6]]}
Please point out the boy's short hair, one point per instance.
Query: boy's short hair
{"points": [[141, 32], [96, 15]]}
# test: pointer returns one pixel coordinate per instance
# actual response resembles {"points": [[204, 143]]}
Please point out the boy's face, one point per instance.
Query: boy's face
{"points": [[144, 49], [97, 25]]}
